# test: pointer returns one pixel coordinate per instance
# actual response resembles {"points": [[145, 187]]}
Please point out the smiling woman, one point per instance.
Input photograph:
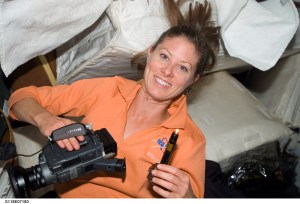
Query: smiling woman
{"points": [[171, 69], [137, 114]]}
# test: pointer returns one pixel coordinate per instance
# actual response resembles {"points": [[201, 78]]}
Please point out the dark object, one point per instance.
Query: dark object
{"points": [[214, 188], [7, 150], [170, 147], [50, 194], [265, 172], [152, 167], [167, 154], [60, 165], [68, 132], [5, 92]]}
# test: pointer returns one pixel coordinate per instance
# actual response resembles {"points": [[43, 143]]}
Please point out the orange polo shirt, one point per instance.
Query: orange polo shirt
{"points": [[104, 102]]}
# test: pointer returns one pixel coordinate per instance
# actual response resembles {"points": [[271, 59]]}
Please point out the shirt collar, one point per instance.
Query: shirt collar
{"points": [[128, 88], [178, 112]]}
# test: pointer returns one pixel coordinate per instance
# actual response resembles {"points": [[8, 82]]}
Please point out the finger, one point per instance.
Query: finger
{"points": [[181, 175], [169, 188], [80, 138], [168, 173], [74, 143], [167, 168], [162, 192], [61, 144], [179, 182], [68, 144], [160, 180]]}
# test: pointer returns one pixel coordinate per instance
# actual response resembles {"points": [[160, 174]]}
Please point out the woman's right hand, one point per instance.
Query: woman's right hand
{"points": [[30, 111], [47, 123]]}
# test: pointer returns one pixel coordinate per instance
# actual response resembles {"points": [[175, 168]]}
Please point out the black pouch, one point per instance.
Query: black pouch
{"points": [[264, 172]]}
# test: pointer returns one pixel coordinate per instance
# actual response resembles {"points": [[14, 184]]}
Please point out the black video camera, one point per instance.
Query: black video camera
{"points": [[60, 165]]}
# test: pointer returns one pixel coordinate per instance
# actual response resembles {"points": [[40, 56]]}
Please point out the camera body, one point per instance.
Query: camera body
{"points": [[57, 165]]}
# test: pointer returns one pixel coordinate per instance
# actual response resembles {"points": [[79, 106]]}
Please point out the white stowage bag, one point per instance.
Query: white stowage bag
{"points": [[257, 33], [29, 28], [279, 89], [127, 27], [231, 118], [253, 33], [103, 35]]}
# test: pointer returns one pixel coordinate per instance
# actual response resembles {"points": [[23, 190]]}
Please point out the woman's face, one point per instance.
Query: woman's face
{"points": [[170, 68]]}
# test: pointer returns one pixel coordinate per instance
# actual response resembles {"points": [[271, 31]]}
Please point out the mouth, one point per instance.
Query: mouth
{"points": [[161, 82]]}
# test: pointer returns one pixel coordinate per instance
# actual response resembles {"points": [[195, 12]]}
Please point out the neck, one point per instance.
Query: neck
{"points": [[144, 105], [144, 94]]}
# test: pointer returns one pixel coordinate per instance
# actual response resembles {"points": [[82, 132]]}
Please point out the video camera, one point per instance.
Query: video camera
{"points": [[60, 165]]}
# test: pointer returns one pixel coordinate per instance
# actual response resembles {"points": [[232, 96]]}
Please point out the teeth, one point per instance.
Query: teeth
{"points": [[162, 82]]}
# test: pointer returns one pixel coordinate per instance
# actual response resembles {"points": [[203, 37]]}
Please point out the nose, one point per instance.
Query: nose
{"points": [[167, 70]]}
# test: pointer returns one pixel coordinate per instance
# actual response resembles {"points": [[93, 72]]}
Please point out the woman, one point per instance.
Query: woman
{"points": [[139, 115]]}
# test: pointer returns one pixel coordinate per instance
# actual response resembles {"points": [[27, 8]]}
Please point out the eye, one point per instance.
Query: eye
{"points": [[183, 68], [163, 56]]}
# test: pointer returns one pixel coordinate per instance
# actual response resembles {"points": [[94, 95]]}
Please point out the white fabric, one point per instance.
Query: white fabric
{"points": [[279, 89], [83, 47], [126, 28], [141, 22], [254, 32], [133, 26], [29, 28], [231, 118], [257, 33]]}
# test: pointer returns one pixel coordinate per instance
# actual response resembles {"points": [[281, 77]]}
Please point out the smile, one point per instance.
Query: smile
{"points": [[161, 82]]}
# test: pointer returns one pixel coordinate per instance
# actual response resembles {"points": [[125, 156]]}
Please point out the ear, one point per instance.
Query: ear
{"points": [[196, 77], [150, 50]]}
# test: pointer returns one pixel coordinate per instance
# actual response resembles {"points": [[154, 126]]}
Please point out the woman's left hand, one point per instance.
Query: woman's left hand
{"points": [[171, 182]]}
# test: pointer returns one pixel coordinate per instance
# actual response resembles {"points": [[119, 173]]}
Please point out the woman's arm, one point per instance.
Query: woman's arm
{"points": [[30, 111]]}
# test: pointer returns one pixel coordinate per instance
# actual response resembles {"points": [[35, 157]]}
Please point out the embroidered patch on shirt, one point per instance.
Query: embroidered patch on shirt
{"points": [[157, 149]]}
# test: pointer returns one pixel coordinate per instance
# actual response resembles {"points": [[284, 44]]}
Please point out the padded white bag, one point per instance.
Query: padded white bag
{"points": [[279, 89], [231, 118], [107, 47], [29, 28]]}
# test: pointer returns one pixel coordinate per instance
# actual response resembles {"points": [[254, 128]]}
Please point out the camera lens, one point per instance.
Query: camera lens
{"points": [[58, 165], [18, 180], [24, 180]]}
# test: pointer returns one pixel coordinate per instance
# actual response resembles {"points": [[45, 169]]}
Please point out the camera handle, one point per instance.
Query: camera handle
{"points": [[68, 131]]}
